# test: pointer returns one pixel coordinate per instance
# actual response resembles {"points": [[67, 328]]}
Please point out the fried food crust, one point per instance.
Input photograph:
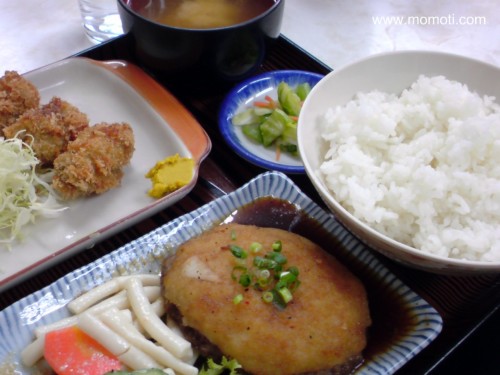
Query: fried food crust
{"points": [[93, 162], [322, 328], [49, 129], [17, 95]]}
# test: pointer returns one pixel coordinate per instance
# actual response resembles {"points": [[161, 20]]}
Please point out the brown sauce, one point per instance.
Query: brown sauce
{"points": [[391, 320]]}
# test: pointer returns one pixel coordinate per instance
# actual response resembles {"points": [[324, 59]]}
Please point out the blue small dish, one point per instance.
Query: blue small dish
{"points": [[242, 96]]}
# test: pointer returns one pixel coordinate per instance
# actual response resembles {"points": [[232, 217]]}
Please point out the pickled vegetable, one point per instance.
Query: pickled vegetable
{"points": [[273, 122], [289, 100]]}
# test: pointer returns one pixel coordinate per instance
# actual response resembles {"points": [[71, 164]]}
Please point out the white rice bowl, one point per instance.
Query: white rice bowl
{"points": [[404, 149], [422, 168]]}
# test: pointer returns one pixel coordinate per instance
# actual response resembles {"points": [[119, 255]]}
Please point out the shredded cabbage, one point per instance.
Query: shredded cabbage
{"points": [[24, 194]]}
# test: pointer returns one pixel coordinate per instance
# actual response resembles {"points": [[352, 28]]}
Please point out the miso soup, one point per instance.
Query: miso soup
{"points": [[201, 14]]}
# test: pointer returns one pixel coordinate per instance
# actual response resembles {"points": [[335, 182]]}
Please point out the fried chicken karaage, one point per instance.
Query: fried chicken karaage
{"points": [[17, 95], [94, 161], [86, 160], [49, 128]]}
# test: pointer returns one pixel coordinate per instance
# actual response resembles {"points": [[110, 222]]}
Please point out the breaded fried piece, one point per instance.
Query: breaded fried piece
{"points": [[17, 95], [93, 162], [322, 330], [49, 129]]}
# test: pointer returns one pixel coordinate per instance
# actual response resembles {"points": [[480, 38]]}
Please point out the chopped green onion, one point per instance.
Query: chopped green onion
{"points": [[255, 247], [266, 273], [277, 257], [288, 277], [238, 252], [238, 299], [294, 270], [263, 279], [285, 295], [233, 235], [238, 269], [245, 280], [262, 284], [281, 284], [267, 297], [276, 246], [263, 263], [293, 287]]}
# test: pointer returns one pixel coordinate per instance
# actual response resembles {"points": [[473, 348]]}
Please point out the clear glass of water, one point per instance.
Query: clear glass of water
{"points": [[101, 20]]}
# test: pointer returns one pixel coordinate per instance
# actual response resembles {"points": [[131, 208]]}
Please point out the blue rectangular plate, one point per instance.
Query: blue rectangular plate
{"points": [[145, 254]]}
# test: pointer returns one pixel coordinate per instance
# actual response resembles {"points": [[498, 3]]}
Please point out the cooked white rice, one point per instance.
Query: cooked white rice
{"points": [[422, 167]]}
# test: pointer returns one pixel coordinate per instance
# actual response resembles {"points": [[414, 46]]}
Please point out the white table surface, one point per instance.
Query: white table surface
{"points": [[37, 33]]}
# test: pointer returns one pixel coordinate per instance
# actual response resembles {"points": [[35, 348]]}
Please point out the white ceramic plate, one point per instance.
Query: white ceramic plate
{"points": [[112, 91], [145, 255]]}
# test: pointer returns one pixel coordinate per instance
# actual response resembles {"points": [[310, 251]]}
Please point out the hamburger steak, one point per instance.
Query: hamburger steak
{"points": [[322, 329]]}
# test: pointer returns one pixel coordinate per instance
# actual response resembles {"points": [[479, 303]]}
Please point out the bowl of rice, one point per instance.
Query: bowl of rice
{"points": [[404, 148]]}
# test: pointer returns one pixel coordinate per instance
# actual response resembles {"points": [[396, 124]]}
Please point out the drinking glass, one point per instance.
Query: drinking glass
{"points": [[101, 20]]}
